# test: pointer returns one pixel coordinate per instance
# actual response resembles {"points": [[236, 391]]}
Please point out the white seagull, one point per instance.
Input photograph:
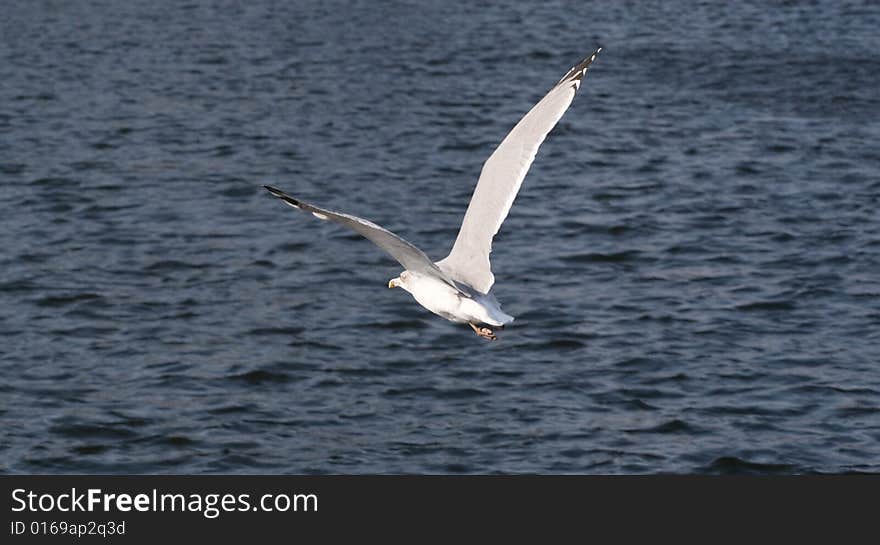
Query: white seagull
{"points": [[457, 287]]}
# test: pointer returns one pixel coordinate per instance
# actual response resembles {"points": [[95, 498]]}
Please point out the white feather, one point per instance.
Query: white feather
{"points": [[500, 180]]}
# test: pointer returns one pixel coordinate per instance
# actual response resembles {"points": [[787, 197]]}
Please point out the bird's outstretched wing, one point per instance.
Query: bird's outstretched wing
{"points": [[404, 252], [500, 180]]}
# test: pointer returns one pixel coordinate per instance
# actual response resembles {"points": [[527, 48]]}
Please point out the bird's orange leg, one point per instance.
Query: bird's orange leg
{"points": [[484, 332]]}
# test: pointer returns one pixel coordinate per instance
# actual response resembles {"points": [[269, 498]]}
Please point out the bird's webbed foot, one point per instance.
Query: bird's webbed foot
{"points": [[484, 332]]}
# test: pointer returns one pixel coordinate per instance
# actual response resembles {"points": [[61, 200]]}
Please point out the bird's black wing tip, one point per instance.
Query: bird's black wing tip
{"points": [[276, 192], [579, 70], [283, 196]]}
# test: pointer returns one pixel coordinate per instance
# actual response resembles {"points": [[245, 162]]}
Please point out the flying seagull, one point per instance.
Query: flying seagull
{"points": [[457, 287]]}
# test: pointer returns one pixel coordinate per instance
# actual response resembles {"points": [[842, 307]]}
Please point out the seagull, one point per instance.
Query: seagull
{"points": [[458, 286]]}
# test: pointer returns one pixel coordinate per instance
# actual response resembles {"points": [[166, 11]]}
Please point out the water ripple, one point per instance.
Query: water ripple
{"points": [[692, 260]]}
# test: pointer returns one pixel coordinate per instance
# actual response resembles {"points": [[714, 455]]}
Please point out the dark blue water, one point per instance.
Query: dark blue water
{"points": [[693, 260]]}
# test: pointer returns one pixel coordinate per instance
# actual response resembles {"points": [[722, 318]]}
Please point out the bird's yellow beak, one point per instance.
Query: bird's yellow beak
{"points": [[392, 283]]}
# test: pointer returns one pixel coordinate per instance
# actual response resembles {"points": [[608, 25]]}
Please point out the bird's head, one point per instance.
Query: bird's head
{"points": [[399, 282]]}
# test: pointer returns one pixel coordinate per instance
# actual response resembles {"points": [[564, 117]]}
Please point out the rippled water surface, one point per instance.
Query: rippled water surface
{"points": [[693, 260]]}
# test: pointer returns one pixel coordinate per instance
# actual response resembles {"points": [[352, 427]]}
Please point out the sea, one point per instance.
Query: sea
{"points": [[693, 260]]}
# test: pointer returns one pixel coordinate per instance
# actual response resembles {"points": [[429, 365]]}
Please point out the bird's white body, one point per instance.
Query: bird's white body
{"points": [[453, 304]]}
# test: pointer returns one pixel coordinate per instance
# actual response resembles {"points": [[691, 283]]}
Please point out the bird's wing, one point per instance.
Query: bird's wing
{"points": [[500, 180], [405, 253]]}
